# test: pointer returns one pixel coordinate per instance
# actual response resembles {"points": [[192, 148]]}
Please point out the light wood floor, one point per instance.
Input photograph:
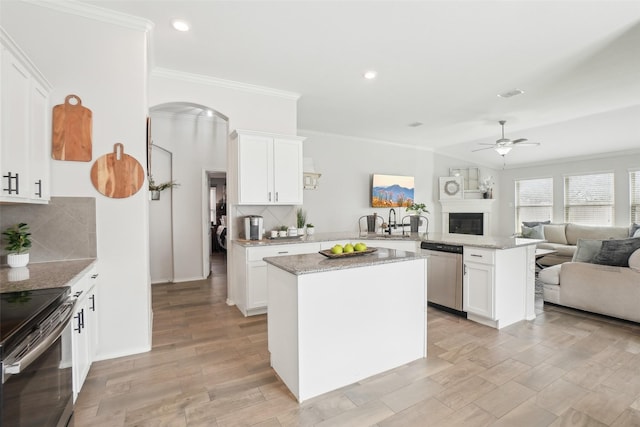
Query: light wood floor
{"points": [[210, 367]]}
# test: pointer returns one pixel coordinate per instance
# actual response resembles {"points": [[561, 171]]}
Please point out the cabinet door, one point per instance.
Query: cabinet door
{"points": [[255, 170], [14, 156], [92, 317], [478, 289], [287, 171], [256, 284], [80, 345], [39, 147]]}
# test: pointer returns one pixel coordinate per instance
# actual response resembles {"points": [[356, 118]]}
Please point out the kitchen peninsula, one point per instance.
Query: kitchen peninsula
{"points": [[335, 321]]}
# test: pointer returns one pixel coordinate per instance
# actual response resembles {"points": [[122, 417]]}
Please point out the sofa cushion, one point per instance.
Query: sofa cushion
{"points": [[633, 229], [554, 233], [550, 275], [637, 233], [586, 250], [616, 252], [578, 231], [634, 260], [535, 232], [561, 250], [534, 223]]}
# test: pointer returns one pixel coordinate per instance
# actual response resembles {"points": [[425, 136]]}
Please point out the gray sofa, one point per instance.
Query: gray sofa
{"points": [[563, 238]]}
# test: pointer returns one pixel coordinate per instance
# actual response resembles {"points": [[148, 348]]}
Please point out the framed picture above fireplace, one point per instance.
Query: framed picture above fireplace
{"points": [[451, 187]]}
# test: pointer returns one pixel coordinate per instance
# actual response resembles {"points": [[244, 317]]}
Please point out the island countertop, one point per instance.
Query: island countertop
{"points": [[317, 263], [491, 242], [331, 236], [43, 275]]}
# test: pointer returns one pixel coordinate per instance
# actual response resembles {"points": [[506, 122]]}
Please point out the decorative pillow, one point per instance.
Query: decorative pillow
{"points": [[536, 232], [534, 223], [616, 252], [586, 250], [634, 260], [637, 233], [633, 230], [554, 233]]}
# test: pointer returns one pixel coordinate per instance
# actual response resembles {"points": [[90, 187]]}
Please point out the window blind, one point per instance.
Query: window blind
{"points": [[589, 199], [534, 200], [634, 185]]}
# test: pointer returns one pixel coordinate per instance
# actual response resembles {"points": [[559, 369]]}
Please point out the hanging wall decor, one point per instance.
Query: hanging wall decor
{"points": [[71, 133], [117, 175]]}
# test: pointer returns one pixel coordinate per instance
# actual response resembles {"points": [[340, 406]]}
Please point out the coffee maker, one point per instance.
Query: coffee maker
{"points": [[253, 227]]}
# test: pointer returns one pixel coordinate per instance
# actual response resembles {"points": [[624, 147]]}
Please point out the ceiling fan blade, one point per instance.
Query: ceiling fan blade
{"points": [[519, 140], [484, 148], [527, 144], [487, 143]]}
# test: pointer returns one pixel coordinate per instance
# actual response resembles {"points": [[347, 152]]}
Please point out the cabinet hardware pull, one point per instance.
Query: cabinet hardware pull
{"points": [[476, 255], [39, 184], [283, 252], [77, 294], [269, 195], [464, 272], [82, 318], [10, 189], [93, 276], [276, 196], [93, 302]]}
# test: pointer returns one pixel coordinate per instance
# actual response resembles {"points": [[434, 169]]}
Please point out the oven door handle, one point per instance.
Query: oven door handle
{"points": [[37, 351]]}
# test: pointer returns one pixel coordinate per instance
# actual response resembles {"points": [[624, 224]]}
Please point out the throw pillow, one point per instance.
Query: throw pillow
{"points": [[586, 250], [633, 230], [616, 252], [536, 232], [554, 233], [534, 223], [637, 233], [634, 260]]}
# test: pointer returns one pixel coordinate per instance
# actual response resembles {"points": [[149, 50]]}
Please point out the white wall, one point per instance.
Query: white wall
{"points": [[346, 164], [620, 165], [105, 65], [195, 146]]}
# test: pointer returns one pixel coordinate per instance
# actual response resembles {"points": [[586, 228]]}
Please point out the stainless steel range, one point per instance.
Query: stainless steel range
{"points": [[36, 369]]}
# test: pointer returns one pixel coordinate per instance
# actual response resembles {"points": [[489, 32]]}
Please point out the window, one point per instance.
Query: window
{"points": [[588, 199], [634, 185], [534, 200]]}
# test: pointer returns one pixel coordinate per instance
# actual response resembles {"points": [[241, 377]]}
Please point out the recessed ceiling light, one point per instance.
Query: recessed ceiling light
{"points": [[370, 75], [180, 25], [510, 93]]}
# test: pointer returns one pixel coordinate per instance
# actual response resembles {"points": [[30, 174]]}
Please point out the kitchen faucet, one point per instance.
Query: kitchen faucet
{"points": [[394, 219]]}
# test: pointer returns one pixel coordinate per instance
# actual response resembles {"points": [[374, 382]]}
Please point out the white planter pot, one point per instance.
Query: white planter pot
{"points": [[17, 260], [310, 231]]}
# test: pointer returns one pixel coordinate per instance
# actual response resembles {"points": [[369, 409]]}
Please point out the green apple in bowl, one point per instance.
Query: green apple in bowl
{"points": [[337, 249], [360, 247], [348, 248]]}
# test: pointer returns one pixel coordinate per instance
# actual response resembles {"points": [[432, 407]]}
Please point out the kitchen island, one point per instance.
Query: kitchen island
{"points": [[333, 322]]}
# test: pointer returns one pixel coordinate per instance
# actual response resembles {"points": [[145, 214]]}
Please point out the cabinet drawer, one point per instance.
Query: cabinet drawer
{"points": [[479, 255], [256, 254]]}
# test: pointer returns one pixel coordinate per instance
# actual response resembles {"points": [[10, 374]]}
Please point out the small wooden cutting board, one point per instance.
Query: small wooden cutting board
{"points": [[117, 175], [71, 131]]}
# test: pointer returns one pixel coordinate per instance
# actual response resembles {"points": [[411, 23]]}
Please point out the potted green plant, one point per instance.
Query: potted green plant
{"points": [[415, 219], [155, 189], [18, 244], [301, 219], [283, 231], [310, 229]]}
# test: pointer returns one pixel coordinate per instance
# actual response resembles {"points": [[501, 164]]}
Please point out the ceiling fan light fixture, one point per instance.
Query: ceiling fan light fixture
{"points": [[180, 25], [502, 150]]}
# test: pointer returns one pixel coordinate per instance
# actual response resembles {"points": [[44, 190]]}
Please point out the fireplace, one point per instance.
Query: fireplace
{"points": [[466, 223]]}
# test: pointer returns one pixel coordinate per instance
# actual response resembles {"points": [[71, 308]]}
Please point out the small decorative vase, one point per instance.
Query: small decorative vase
{"points": [[310, 231], [485, 195], [17, 260], [282, 233], [155, 194], [415, 222], [301, 231]]}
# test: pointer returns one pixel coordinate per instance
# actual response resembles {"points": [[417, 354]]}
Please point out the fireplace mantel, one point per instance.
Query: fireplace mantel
{"points": [[485, 206]]}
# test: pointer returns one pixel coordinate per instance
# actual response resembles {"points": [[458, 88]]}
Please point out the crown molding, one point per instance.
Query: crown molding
{"points": [[365, 140], [97, 13], [227, 84]]}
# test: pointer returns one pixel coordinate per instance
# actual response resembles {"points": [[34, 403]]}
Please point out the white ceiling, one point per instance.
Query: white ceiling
{"points": [[440, 63]]}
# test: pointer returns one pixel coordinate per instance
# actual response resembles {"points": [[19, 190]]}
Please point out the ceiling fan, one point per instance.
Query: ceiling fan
{"points": [[504, 145]]}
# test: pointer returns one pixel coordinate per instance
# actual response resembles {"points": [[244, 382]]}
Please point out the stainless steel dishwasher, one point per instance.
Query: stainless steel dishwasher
{"points": [[444, 276]]}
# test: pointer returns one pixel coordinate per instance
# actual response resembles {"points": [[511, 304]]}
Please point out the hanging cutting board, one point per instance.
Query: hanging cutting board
{"points": [[117, 174], [71, 131]]}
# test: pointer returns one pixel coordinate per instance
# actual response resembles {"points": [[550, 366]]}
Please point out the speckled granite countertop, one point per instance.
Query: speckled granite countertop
{"points": [[490, 242], [43, 275], [325, 237], [316, 263]]}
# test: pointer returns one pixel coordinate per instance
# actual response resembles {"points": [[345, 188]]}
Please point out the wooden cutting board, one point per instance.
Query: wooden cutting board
{"points": [[117, 175], [71, 131]]}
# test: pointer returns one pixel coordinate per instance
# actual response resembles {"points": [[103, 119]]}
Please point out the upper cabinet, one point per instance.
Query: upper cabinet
{"points": [[25, 127], [269, 168]]}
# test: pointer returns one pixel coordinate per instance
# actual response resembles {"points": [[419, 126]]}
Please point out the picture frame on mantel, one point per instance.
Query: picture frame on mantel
{"points": [[451, 187]]}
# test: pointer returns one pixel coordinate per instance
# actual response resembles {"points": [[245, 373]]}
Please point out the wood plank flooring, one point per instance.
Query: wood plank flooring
{"points": [[209, 366]]}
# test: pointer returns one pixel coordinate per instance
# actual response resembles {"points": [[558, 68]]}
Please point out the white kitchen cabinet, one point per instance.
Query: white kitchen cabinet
{"points": [[269, 168], [251, 273], [85, 328], [495, 285], [24, 128]]}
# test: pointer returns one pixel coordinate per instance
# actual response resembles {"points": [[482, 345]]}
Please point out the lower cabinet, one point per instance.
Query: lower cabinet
{"points": [[84, 328], [478, 289]]}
